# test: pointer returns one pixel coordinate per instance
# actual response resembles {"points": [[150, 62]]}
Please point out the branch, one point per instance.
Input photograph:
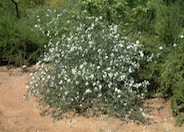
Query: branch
{"points": [[17, 9]]}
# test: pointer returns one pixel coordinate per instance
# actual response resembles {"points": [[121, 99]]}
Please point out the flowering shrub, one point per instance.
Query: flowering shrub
{"points": [[53, 23], [93, 67]]}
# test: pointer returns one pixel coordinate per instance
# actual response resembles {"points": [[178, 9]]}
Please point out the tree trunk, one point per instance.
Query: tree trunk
{"points": [[17, 9]]}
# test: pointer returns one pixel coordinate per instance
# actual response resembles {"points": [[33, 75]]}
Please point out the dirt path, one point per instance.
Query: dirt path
{"points": [[19, 116]]}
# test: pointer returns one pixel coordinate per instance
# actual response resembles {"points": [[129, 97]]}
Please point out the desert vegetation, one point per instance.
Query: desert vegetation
{"points": [[99, 56]]}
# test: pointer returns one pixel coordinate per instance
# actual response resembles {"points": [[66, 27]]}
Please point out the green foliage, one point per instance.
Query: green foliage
{"points": [[180, 120], [92, 68], [109, 9], [130, 13], [34, 3], [172, 79], [18, 44], [6, 7], [165, 72], [169, 27], [169, 21], [156, 23], [164, 50], [47, 20], [151, 66]]}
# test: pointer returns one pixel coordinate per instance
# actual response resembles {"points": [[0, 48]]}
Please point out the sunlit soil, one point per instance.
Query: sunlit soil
{"points": [[16, 115]]}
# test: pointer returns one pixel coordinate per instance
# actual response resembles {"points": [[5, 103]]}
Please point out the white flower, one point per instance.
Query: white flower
{"points": [[91, 76], [31, 74], [109, 85], [95, 89], [88, 91], [80, 48], [73, 71], [112, 55], [99, 95], [86, 83], [161, 48], [38, 63], [24, 66], [48, 33], [104, 76], [61, 82], [48, 10], [100, 86], [151, 57], [89, 36], [117, 90], [96, 19], [137, 42], [92, 25], [27, 86], [43, 79], [36, 26], [66, 92], [81, 66], [94, 83], [110, 75], [174, 45], [130, 70], [121, 45], [181, 36], [141, 53], [68, 80]]}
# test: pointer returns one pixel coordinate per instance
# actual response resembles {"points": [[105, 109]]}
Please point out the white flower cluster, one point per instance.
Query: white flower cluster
{"points": [[93, 64], [53, 24]]}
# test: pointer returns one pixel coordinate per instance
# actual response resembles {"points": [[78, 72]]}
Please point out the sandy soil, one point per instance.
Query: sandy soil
{"points": [[16, 115]]}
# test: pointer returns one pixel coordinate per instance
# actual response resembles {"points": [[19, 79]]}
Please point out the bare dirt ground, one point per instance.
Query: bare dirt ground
{"points": [[17, 115]]}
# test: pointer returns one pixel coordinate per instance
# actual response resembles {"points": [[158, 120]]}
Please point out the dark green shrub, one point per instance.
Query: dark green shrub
{"points": [[136, 15], [169, 21], [169, 27], [18, 44], [7, 8], [151, 66], [172, 80], [36, 2], [165, 73]]}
